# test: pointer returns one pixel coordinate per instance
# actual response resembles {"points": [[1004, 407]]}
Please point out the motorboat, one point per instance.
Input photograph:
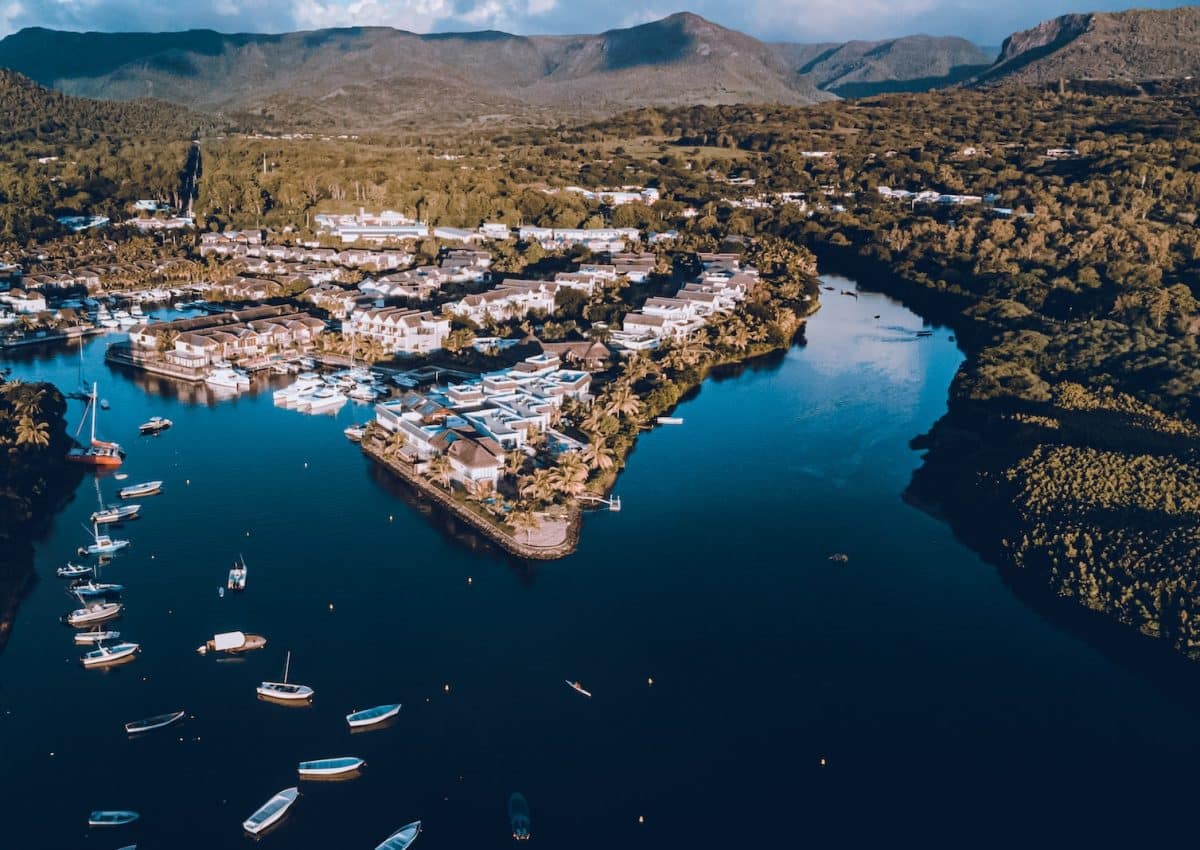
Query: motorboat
{"points": [[102, 544], [146, 488], [94, 636], [111, 818], [321, 400], [96, 588], [402, 838], [94, 612], [237, 576], [330, 767], [74, 571], [233, 642], [103, 655], [578, 688], [372, 716], [355, 433], [363, 392], [228, 379], [518, 816], [118, 513], [96, 452], [285, 691], [304, 385], [271, 811], [159, 721], [155, 424]]}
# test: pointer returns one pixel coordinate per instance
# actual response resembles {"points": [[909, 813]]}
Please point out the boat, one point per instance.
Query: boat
{"points": [[96, 452], [102, 544], [271, 811], [304, 385], [322, 399], [285, 690], [228, 379], [237, 575], [95, 636], [93, 612], [330, 767], [402, 838], [117, 513], [102, 654], [363, 392], [233, 642], [146, 488], [924, 333], [669, 420], [114, 818], [354, 433], [159, 721], [96, 588], [74, 571], [372, 716], [518, 816], [575, 686], [155, 424]]}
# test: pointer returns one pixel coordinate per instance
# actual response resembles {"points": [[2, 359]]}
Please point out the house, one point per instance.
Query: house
{"points": [[597, 239], [495, 230], [512, 298], [590, 355], [456, 234], [23, 302], [400, 330]]}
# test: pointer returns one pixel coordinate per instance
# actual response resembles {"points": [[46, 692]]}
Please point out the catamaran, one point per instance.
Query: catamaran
{"points": [[402, 838], [372, 716], [74, 571], [159, 721], [102, 654], [116, 818], [93, 612], [285, 690], [330, 767], [146, 488], [97, 452], [271, 811], [154, 425], [233, 642], [94, 636], [237, 575]]}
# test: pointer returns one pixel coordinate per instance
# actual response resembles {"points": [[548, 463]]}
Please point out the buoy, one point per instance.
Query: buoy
{"points": [[650, 680]]}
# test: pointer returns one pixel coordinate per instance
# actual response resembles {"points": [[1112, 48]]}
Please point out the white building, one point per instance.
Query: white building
{"points": [[399, 330]]}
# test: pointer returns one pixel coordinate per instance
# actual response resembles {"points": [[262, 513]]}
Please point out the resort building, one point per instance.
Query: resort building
{"points": [[397, 329], [596, 239], [247, 334], [511, 299]]}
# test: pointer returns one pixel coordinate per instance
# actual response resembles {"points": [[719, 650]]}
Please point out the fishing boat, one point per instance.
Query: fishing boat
{"points": [[354, 433], [372, 716], [96, 588], [285, 690], [271, 811], [518, 816], [146, 488], [402, 838], [96, 452], [233, 642], [94, 636], [102, 544], [237, 575], [330, 767], [74, 571], [226, 378], [114, 818], [159, 721], [93, 612], [578, 688], [102, 654], [155, 424], [117, 513]]}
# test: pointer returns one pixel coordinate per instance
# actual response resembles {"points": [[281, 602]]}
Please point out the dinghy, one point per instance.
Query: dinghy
{"points": [[159, 721], [102, 655], [94, 636], [271, 811], [285, 690], [372, 716], [73, 571], [146, 488], [402, 838], [115, 514], [116, 818], [96, 588], [330, 767], [154, 425]]}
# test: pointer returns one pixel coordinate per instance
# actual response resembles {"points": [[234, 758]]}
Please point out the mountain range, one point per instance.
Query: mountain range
{"points": [[382, 78]]}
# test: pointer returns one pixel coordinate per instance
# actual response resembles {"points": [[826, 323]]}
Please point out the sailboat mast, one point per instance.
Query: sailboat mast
{"points": [[94, 414], [286, 665]]}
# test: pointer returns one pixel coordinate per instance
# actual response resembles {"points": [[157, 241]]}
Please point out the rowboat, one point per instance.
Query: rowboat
{"points": [[372, 716], [95, 636], [285, 690], [154, 425], [146, 488], [159, 721], [330, 767], [575, 686], [233, 642], [271, 811], [73, 571], [518, 816], [93, 612], [402, 838], [102, 655], [113, 818], [115, 514]]}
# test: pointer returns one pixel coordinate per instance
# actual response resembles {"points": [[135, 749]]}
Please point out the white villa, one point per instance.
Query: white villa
{"points": [[511, 299], [400, 330]]}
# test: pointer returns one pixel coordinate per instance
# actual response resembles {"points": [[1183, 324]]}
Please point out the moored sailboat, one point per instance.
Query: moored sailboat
{"points": [[97, 452], [285, 690]]}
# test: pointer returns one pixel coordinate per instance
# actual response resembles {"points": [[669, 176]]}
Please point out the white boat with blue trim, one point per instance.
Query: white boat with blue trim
{"points": [[271, 811], [330, 767], [372, 716]]}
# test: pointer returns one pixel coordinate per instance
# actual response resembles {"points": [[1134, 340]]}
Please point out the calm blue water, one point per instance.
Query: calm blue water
{"points": [[913, 671]]}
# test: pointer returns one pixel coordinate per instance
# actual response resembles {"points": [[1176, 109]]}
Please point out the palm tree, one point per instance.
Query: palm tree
{"points": [[30, 403], [622, 401], [523, 519], [570, 474], [598, 455], [514, 461], [441, 469], [540, 486], [636, 367], [32, 433]]}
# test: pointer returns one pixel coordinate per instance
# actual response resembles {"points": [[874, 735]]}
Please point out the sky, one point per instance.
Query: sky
{"points": [[983, 21]]}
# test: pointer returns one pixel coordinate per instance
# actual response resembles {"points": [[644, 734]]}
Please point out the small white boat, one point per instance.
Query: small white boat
{"points": [[155, 424], [285, 690], [94, 612], [372, 716], [402, 838], [228, 379], [95, 636], [146, 488], [237, 576], [159, 721], [669, 420], [111, 818], [321, 400], [578, 688], [330, 767], [354, 433], [271, 811], [102, 655], [96, 588], [102, 544], [74, 571], [363, 392], [233, 642], [117, 513]]}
